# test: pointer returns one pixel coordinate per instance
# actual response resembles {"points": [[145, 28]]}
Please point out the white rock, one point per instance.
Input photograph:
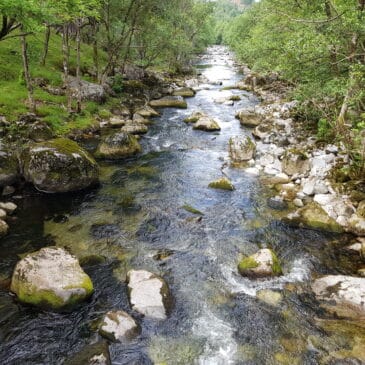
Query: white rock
{"points": [[357, 247], [324, 199], [118, 326], [8, 207], [298, 203], [149, 294], [2, 214], [252, 171]]}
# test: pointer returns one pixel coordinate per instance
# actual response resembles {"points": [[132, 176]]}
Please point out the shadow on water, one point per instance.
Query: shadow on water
{"points": [[136, 218]]}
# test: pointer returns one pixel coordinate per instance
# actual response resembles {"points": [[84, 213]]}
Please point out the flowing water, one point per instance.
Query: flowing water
{"points": [[136, 220]]}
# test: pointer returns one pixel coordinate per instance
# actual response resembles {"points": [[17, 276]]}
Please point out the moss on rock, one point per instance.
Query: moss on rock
{"points": [[223, 184]]}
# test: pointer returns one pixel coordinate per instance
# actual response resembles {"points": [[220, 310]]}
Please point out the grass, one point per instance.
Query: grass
{"points": [[51, 108]]}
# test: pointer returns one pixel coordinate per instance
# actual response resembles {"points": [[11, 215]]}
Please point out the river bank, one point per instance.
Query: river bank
{"points": [[155, 211]]}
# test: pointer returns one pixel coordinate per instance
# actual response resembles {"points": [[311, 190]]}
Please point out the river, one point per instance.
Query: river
{"points": [[135, 219]]}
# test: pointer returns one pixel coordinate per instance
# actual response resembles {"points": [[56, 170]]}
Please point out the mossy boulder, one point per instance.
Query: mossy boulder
{"points": [[295, 162], [93, 354], [223, 184], [59, 165], [241, 149], [149, 294], [118, 145], [40, 131], [262, 264], [184, 92], [313, 216], [169, 102], [195, 116], [249, 118], [88, 90], [118, 326], [134, 127], [9, 169], [51, 278], [207, 124]]}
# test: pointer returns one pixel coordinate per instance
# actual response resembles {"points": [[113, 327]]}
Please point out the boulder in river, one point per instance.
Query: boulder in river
{"points": [[207, 124], [313, 216], [59, 165], [342, 295], [241, 148], [184, 91], [149, 294], [118, 145], [4, 228], [8, 166], [169, 102], [195, 116], [118, 326], [222, 184], [249, 118], [295, 162], [147, 112], [51, 278], [262, 264], [133, 127], [94, 354]]}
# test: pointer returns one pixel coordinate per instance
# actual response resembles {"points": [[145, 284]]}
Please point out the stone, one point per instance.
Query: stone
{"points": [[9, 169], [148, 294], [117, 146], [222, 184], [253, 171], [59, 165], [195, 116], [40, 131], [241, 148], [50, 278], [8, 207], [4, 228], [147, 112], [262, 264], [298, 203], [270, 297], [295, 162], [207, 124], [360, 211], [134, 128], [2, 214], [8, 190], [116, 122], [324, 199], [288, 191], [342, 295], [313, 216], [184, 91], [277, 203], [118, 326], [169, 102], [89, 91], [94, 354], [280, 178], [262, 131], [249, 118], [357, 225]]}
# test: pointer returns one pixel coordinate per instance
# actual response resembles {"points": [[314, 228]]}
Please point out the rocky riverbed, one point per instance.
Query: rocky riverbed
{"points": [[200, 227]]}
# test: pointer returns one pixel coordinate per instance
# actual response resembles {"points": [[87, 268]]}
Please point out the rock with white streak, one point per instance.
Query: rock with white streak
{"points": [[149, 294]]}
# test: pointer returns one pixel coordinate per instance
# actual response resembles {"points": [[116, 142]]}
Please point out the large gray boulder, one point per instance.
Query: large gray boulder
{"points": [[59, 165], [149, 294], [342, 295], [89, 90], [207, 124], [134, 127], [169, 102], [118, 326], [51, 278], [241, 148], [9, 173], [117, 146]]}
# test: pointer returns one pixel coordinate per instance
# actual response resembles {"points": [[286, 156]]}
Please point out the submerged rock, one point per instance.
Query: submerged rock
{"points": [[241, 148], [263, 263], [343, 295], [94, 354], [149, 294], [313, 216], [169, 102], [223, 184], [207, 124], [118, 326], [249, 118], [59, 165], [118, 145], [51, 278], [184, 91]]}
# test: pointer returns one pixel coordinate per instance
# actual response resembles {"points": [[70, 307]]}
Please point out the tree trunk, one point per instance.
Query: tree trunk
{"points": [[27, 77], [78, 61], [66, 61], [95, 49], [46, 45]]}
